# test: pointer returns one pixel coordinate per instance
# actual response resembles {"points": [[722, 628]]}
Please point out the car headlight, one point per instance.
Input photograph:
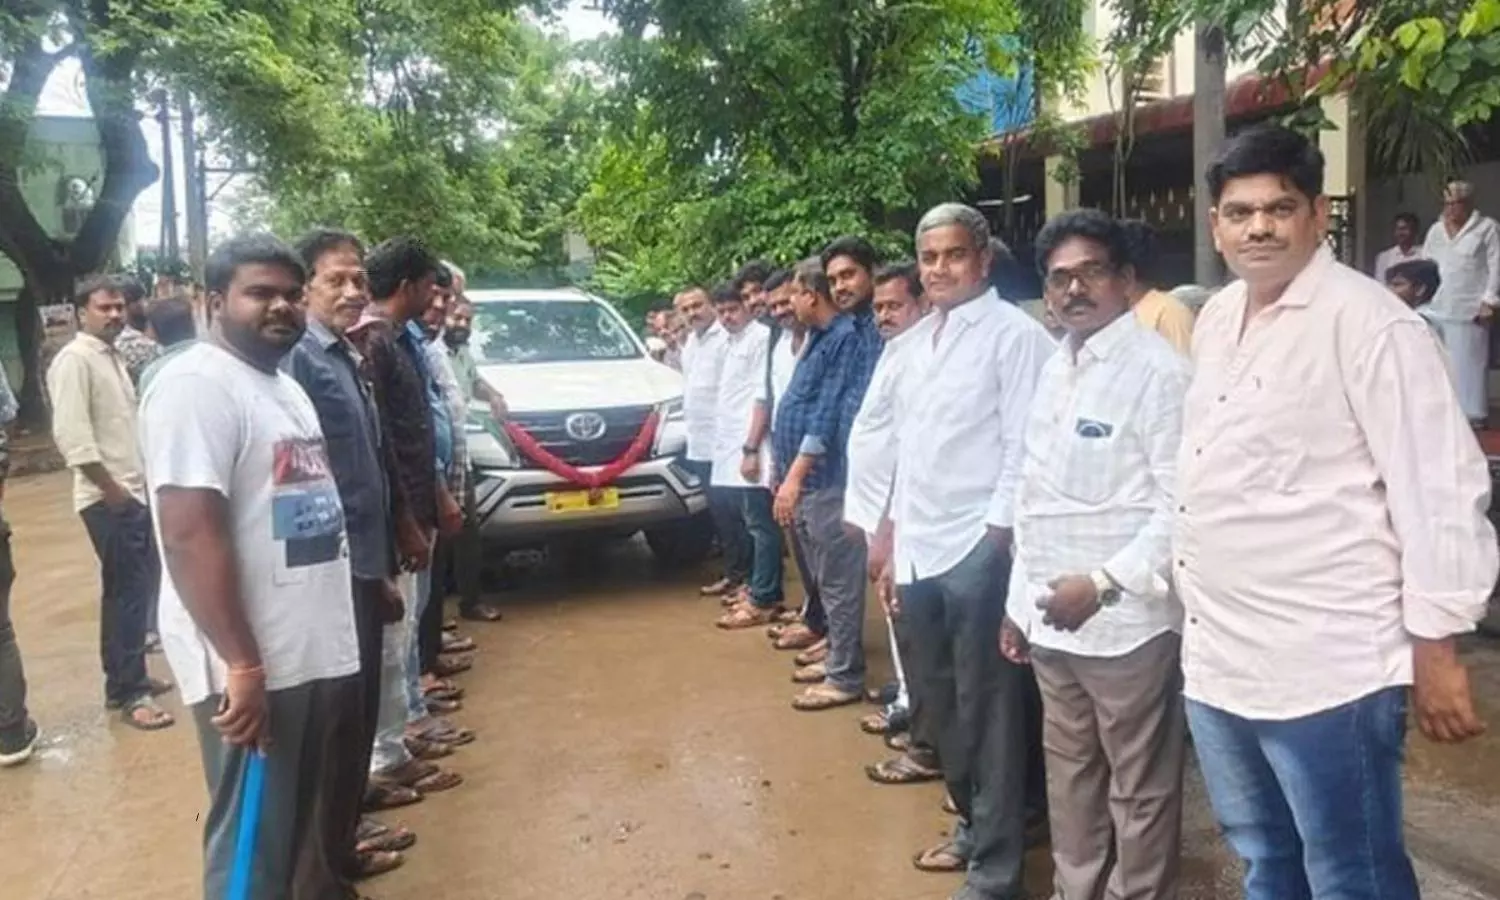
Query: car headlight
{"points": [[672, 411]]}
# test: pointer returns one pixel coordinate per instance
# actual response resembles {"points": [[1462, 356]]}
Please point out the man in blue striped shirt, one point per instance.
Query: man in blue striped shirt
{"points": [[811, 434]]}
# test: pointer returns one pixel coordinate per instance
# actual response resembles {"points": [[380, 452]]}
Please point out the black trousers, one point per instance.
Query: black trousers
{"points": [[726, 510], [13, 713], [130, 574], [973, 701], [369, 628]]}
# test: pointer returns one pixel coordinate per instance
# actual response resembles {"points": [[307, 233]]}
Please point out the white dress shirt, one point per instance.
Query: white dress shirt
{"points": [[702, 360], [1469, 265], [1392, 256], [961, 443], [740, 380], [1097, 487], [872, 445], [1331, 499]]}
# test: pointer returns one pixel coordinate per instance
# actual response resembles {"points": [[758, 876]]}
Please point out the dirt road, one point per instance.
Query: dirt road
{"points": [[627, 750]]}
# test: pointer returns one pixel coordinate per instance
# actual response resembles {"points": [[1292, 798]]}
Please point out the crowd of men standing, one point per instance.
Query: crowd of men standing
{"points": [[286, 505], [1147, 524]]}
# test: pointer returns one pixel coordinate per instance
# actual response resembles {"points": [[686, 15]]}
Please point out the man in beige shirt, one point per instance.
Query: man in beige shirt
{"points": [[94, 427], [1155, 308], [1330, 541]]}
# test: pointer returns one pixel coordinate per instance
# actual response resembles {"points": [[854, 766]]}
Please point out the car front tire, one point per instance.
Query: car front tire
{"points": [[685, 542]]}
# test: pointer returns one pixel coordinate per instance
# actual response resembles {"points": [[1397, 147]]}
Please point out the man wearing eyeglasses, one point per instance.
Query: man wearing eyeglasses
{"points": [[1465, 244]]}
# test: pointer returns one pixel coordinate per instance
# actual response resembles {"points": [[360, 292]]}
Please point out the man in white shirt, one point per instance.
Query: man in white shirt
{"points": [[1329, 543], [977, 358], [1088, 595], [702, 362], [1406, 231], [257, 615], [741, 465], [1466, 246], [872, 473]]}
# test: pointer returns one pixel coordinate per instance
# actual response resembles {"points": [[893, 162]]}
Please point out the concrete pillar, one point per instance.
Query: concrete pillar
{"points": [[1061, 196], [1343, 149]]}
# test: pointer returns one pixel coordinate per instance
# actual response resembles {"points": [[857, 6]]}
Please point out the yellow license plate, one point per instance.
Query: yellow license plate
{"points": [[580, 501]]}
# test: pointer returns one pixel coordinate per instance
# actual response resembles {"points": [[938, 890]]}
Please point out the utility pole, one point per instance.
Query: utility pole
{"points": [[197, 203], [1208, 140], [169, 249]]}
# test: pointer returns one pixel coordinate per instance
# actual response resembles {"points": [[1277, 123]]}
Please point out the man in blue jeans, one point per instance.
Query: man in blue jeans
{"points": [[812, 435], [1330, 541]]}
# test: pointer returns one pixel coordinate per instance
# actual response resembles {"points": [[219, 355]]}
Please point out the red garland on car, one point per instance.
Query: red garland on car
{"points": [[593, 481]]}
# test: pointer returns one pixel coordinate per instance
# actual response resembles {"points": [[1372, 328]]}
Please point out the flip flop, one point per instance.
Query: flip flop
{"points": [[797, 638], [942, 859], [823, 696], [901, 770], [382, 795], [373, 863], [161, 718], [481, 612], [742, 617], [458, 644], [439, 781], [812, 655]]}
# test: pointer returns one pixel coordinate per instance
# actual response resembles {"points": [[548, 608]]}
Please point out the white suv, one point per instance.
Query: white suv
{"points": [[579, 381]]}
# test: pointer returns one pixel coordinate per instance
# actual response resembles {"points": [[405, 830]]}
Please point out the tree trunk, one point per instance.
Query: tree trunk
{"points": [[30, 337], [1208, 140]]}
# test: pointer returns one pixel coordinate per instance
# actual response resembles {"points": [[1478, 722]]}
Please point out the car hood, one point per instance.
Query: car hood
{"points": [[597, 384]]}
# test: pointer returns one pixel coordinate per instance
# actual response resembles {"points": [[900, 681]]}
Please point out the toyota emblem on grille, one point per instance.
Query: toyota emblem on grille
{"points": [[584, 426]]}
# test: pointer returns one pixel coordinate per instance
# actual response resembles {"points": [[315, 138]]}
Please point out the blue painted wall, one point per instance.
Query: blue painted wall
{"points": [[1008, 101]]}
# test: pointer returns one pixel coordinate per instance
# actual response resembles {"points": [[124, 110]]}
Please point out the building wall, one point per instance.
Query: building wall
{"points": [[1099, 99], [59, 148]]}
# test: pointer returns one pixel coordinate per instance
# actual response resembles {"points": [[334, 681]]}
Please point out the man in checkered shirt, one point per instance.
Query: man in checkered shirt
{"points": [[1088, 596]]}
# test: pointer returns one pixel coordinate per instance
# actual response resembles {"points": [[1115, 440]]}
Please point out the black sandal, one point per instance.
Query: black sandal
{"points": [[160, 717]]}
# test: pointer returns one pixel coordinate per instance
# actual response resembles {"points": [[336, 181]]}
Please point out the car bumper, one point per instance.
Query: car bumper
{"points": [[511, 504]]}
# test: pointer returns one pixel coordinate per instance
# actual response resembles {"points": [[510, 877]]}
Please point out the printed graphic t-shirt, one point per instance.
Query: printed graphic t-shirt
{"points": [[209, 420]]}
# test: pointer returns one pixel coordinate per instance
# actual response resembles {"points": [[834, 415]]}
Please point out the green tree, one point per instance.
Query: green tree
{"points": [[474, 130], [261, 64], [754, 128]]}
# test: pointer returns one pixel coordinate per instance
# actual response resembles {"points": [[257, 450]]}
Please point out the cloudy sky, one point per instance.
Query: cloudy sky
{"points": [[64, 96]]}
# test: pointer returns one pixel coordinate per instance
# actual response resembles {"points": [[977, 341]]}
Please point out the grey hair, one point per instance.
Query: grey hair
{"points": [[1460, 190], [457, 272], [945, 215]]}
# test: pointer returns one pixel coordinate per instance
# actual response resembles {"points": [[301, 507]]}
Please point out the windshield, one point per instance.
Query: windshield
{"points": [[541, 331]]}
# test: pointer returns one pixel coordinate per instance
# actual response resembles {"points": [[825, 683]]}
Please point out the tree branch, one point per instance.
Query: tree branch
{"points": [[22, 237], [128, 169]]}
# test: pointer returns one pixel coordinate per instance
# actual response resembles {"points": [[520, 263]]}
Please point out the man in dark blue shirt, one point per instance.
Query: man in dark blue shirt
{"points": [[810, 440], [328, 368]]}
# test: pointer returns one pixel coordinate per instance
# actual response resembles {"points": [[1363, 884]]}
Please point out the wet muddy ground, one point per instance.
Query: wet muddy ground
{"points": [[627, 750]]}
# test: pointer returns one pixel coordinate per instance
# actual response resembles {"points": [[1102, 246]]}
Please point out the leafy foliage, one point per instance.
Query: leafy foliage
{"points": [[1421, 70], [474, 132], [756, 128]]}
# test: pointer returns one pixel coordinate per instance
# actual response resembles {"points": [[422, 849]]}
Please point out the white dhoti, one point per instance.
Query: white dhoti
{"points": [[1468, 346]]}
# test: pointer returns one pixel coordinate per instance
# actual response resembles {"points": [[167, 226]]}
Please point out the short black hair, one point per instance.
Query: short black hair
{"points": [[852, 246], [1409, 218], [172, 320], [1141, 239], [1091, 224], [132, 289], [756, 271], [901, 271], [259, 248], [397, 260], [1268, 150], [776, 279], [444, 278], [90, 285], [313, 244], [1417, 271], [724, 292], [812, 275]]}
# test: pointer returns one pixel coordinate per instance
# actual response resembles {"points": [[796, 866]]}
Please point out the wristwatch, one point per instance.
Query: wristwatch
{"points": [[1105, 587], [749, 450]]}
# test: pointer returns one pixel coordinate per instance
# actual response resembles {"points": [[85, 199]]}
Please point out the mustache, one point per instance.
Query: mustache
{"points": [[1079, 303]]}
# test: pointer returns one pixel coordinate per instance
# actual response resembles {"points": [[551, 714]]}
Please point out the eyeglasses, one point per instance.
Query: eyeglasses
{"points": [[1090, 275]]}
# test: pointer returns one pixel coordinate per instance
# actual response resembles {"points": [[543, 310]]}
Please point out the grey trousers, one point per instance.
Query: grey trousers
{"points": [[301, 845], [973, 700], [1115, 751], [837, 561], [12, 676]]}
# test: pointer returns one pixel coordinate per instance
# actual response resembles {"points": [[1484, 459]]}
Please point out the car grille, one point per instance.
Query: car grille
{"points": [[620, 428]]}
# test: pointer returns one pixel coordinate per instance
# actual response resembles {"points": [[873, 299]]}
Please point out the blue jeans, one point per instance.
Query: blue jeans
{"points": [[1312, 805], [765, 547], [416, 704]]}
